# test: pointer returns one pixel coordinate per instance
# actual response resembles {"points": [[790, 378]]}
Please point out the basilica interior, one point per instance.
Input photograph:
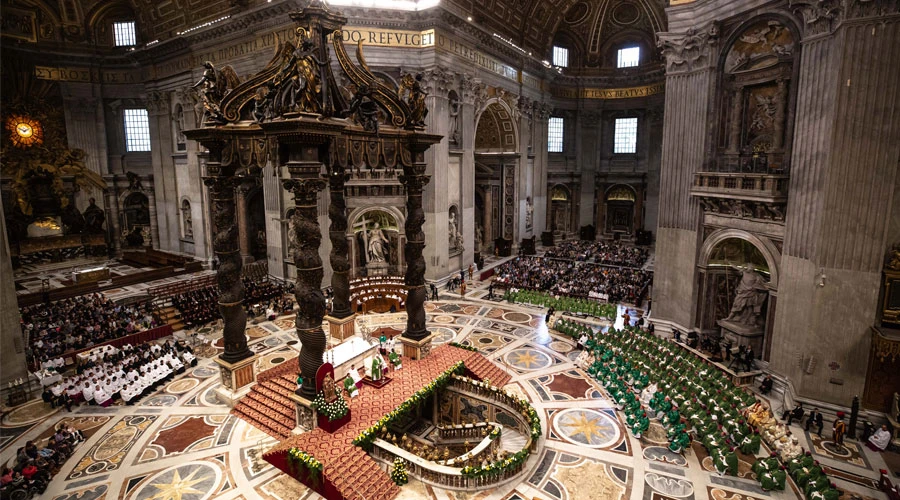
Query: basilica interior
{"points": [[447, 249]]}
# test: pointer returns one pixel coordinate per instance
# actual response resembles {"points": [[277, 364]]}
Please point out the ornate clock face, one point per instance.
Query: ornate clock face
{"points": [[26, 131]]}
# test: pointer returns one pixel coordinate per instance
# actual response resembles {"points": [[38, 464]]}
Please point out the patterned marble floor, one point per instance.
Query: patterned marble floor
{"points": [[181, 443]]}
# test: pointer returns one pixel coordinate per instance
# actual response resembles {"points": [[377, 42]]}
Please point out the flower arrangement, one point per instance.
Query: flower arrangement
{"points": [[494, 433], [466, 347], [334, 410], [298, 458], [367, 437], [498, 467], [398, 473]]}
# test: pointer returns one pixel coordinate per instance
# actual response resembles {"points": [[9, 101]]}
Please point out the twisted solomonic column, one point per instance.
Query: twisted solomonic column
{"points": [[228, 275], [337, 233], [414, 180], [305, 238]]}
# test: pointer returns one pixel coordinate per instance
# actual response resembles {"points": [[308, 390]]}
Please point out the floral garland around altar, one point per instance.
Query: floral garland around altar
{"points": [[367, 437], [498, 467], [466, 347], [298, 458], [334, 410]]}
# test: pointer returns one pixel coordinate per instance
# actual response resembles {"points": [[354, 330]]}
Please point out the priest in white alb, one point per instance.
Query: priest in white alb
{"points": [[880, 439]]}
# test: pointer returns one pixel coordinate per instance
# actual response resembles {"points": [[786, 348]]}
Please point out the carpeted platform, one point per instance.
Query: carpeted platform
{"points": [[341, 459]]}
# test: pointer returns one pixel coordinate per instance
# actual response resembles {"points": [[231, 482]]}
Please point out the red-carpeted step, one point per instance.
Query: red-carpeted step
{"points": [[268, 407]]}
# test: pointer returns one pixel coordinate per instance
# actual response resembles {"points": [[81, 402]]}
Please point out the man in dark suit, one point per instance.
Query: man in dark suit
{"points": [[795, 414], [815, 417]]}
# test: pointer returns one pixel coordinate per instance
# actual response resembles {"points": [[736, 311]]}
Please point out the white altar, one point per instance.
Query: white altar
{"points": [[350, 352]]}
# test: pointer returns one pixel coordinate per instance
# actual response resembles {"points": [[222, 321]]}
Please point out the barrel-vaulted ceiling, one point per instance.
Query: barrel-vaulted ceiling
{"points": [[531, 24]]}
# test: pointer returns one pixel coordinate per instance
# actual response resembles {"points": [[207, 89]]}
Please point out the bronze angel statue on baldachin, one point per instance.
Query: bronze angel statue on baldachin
{"points": [[212, 87]]}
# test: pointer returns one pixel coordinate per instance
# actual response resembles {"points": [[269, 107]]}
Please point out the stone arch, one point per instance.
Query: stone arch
{"points": [[560, 213], [98, 21], [619, 187], [358, 253], [619, 204], [495, 128], [763, 244], [787, 21], [360, 211]]}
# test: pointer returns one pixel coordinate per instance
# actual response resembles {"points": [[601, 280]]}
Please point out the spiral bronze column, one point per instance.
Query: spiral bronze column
{"points": [[305, 238], [337, 233], [221, 184], [414, 180]]}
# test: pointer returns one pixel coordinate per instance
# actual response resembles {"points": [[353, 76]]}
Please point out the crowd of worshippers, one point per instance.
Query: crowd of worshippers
{"points": [[127, 373], [79, 322], [575, 279], [600, 252], [35, 466], [200, 306]]}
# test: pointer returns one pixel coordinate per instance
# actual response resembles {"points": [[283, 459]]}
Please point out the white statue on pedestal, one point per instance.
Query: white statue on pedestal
{"points": [[748, 299], [377, 244]]}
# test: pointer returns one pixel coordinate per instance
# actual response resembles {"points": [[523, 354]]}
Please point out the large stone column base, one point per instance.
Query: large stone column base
{"points": [[237, 379], [341, 329], [306, 416], [416, 349]]}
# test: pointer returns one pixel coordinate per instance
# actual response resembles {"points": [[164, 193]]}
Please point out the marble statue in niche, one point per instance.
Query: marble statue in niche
{"points": [[454, 134], [751, 293], [377, 244], [454, 235], [479, 237]]}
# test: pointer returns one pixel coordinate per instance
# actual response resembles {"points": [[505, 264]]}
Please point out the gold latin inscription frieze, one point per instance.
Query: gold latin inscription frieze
{"points": [[85, 75], [616, 93], [480, 59]]}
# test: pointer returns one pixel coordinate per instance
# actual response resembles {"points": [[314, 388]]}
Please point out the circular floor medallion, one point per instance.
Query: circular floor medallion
{"points": [[586, 427], [182, 386], [160, 400], [29, 413], [277, 361], [204, 372], [444, 335], [527, 358], [517, 317], [560, 346], [836, 449], [187, 481], [443, 318]]}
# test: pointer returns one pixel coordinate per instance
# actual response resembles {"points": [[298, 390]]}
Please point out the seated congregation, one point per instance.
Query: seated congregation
{"points": [[261, 298], [651, 378], [37, 463], [127, 374], [600, 252], [575, 279], [68, 325]]}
